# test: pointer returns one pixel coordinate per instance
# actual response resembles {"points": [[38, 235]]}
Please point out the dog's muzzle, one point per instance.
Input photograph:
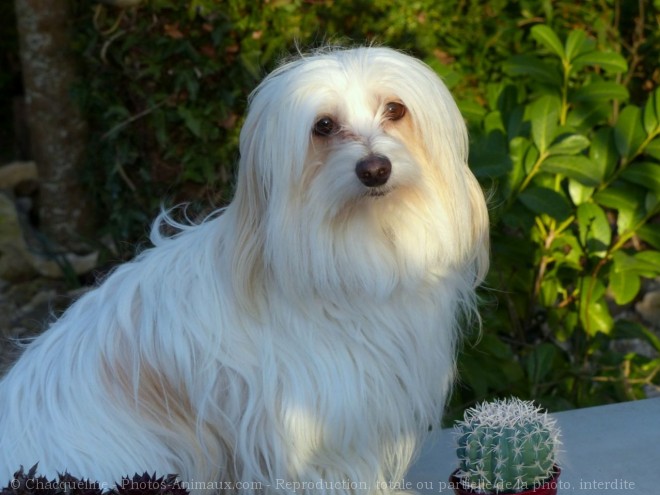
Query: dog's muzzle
{"points": [[373, 170]]}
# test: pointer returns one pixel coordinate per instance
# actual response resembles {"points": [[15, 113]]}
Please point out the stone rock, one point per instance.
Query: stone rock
{"points": [[14, 174], [18, 260], [14, 257]]}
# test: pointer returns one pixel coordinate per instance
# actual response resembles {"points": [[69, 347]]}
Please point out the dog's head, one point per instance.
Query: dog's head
{"points": [[354, 168]]}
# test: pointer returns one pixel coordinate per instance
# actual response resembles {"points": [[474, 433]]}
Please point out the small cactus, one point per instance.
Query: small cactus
{"points": [[506, 446]]}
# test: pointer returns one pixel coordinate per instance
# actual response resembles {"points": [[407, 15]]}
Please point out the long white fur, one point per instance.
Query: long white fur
{"points": [[306, 333]]}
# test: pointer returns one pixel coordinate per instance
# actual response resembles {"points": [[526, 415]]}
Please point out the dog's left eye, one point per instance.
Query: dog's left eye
{"points": [[394, 110], [325, 127]]}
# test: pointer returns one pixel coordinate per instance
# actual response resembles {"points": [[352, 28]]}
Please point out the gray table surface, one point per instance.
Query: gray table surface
{"points": [[612, 449]]}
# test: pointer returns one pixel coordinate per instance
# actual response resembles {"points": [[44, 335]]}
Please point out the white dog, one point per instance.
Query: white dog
{"points": [[303, 338]]}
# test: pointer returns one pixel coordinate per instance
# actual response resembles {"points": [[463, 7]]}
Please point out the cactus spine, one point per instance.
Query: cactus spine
{"points": [[506, 446]]}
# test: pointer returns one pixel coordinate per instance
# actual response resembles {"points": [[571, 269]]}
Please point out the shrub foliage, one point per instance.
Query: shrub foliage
{"points": [[564, 113], [574, 170]]}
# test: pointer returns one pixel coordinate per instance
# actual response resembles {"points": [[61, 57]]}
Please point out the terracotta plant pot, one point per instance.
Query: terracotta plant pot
{"points": [[549, 487]]}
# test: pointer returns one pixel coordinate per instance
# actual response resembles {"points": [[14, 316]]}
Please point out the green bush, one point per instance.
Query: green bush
{"points": [[575, 180], [564, 129]]}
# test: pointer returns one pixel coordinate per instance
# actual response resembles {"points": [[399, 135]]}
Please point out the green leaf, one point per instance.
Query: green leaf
{"points": [[593, 289], [611, 62], [158, 120], [603, 152], [193, 123], [566, 249], [596, 318], [515, 122], [653, 149], [628, 132], [539, 362], [531, 157], [534, 67], [544, 114], [489, 157], [645, 264], [450, 77], [493, 122], [541, 200], [645, 174], [585, 116], [549, 290], [600, 91], [576, 44], [518, 149], [624, 286], [577, 167], [651, 201], [495, 347], [651, 117], [652, 259], [471, 110], [625, 198], [569, 145], [250, 62], [507, 99], [547, 37], [578, 192], [650, 234], [594, 229], [485, 365]]}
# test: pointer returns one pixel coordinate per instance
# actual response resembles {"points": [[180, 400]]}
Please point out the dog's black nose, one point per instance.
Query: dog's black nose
{"points": [[373, 170]]}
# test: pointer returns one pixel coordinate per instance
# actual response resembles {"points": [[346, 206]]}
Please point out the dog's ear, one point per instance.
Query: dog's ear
{"points": [[273, 146], [248, 212], [445, 137]]}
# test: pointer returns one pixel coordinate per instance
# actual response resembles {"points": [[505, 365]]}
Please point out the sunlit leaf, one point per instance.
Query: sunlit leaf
{"points": [[547, 37], [594, 228], [651, 258], [578, 192], [645, 264], [597, 318], [611, 62], [591, 293], [569, 145], [578, 167], [625, 198], [624, 286], [549, 291]]}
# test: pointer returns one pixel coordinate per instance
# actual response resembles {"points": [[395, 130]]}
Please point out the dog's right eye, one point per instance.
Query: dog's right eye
{"points": [[325, 127]]}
